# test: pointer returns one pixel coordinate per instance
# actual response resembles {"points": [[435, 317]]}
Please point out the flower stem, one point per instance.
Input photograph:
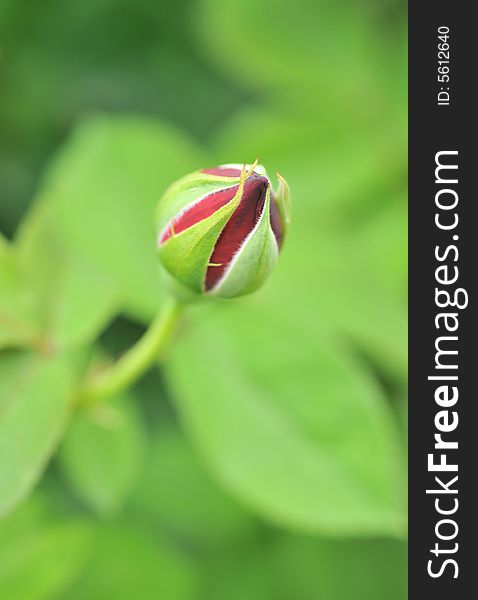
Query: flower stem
{"points": [[127, 369]]}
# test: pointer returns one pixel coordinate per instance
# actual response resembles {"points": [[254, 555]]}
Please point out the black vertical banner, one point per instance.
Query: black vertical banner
{"points": [[443, 250]]}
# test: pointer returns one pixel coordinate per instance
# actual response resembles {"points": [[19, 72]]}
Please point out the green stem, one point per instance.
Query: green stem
{"points": [[126, 370]]}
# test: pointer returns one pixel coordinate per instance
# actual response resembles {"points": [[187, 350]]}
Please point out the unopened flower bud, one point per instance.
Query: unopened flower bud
{"points": [[220, 230]]}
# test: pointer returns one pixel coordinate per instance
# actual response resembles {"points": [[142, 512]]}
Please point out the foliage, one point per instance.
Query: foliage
{"points": [[265, 458]]}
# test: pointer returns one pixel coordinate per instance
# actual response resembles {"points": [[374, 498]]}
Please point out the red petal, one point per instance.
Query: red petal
{"points": [[223, 171], [276, 221], [241, 223], [200, 211]]}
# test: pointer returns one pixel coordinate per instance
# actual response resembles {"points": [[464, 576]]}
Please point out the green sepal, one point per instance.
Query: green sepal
{"points": [[282, 198]]}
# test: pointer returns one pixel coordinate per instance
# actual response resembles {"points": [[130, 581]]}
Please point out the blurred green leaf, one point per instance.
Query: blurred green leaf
{"points": [[332, 278], [17, 325], [313, 569], [177, 492], [101, 192], [237, 575], [72, 298], [101, 453], [127, 563], [286, 567], [289, 422], [39, 557], [382, 238], [336, 52], [35, 397]]}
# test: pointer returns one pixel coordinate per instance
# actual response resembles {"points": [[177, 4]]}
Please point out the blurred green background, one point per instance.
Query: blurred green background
{"points": [[266, 458]]}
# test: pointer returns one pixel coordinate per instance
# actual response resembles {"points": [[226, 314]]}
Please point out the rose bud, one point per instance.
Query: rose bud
{"points": [[220, 230]]}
